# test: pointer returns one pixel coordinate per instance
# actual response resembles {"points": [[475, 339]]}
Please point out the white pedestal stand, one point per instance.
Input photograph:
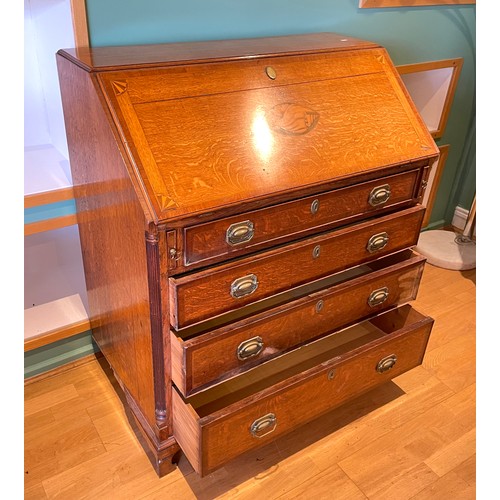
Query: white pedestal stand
{"points": [[448, 250]]}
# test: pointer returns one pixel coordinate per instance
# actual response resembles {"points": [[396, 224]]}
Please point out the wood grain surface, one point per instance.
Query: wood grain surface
{"points": [[241, 143], [200, 132], [295, 401], [212, 357], [339, 250], [108, 58], [207, 243], [111, 226], [197, 80]]}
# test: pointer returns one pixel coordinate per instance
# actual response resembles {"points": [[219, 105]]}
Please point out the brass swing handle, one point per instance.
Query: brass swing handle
{"points": [[378, 296], [379, 195], [385, 364], [250, 348], [263, 425], [377, 242], [239, 233], [246, 285]]}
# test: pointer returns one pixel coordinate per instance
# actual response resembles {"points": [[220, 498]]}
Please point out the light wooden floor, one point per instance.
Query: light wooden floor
{"points": [[412, 438]]}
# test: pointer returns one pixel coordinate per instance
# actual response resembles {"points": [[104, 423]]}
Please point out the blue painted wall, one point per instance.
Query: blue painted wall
{"points": [[410, 35]]}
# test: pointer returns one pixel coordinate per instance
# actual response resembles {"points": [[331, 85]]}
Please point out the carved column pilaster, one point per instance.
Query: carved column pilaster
{"points": [[153, 260]]}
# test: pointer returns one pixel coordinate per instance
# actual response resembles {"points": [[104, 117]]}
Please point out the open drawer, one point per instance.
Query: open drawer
{"points": [[248, 411], [347, 297]]}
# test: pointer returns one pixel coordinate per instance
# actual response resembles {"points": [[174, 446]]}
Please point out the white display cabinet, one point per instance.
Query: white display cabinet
{"points": [[432, 87], [55, 305]]}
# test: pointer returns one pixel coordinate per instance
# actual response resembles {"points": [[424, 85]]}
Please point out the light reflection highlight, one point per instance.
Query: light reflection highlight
{"points": [[263, 139]]}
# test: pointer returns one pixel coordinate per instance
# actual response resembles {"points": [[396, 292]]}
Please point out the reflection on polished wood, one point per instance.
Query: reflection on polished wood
{"points": [[49, 224], [46, 197], [411, 438]]}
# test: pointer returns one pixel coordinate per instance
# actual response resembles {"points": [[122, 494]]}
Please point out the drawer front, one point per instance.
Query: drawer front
{"points": [[233, 349], [272, 412], [254, 230], [199, 296]]}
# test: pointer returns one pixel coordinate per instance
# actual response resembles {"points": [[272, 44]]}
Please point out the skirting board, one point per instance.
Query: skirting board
{"points": [[460, 218], [59, 353]]}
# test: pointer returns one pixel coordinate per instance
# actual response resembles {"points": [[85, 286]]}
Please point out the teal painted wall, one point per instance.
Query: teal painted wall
{"points": [[58, 353], [410, 35]]}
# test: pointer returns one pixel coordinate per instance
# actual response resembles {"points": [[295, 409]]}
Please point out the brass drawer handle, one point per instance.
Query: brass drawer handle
{"points": [[377, 242], [378, 296], [385, 364], [263, 425], [379, 195], [250, 348], [239, 232], [246, 285]]}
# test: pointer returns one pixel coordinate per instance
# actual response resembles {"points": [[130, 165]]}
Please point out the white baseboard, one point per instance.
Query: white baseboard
{"points": [[460, 219]]}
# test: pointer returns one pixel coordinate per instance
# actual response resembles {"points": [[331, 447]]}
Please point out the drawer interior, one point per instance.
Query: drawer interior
{"points": [[342, 344]]}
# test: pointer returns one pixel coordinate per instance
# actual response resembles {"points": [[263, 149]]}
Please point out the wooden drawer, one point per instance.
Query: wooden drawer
{"points": [[199, 296], [237, 235], [233, 349], [257, 407]]}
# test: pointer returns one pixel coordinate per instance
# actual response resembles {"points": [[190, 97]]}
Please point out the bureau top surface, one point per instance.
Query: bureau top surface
{"points": [[140, 56], [208, 126]]}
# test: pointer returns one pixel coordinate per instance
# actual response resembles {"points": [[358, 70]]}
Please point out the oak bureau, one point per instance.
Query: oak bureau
{"points": [[246, 210]]}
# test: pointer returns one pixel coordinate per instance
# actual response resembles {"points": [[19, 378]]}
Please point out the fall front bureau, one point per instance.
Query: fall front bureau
{"points": [[247, 210]]}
